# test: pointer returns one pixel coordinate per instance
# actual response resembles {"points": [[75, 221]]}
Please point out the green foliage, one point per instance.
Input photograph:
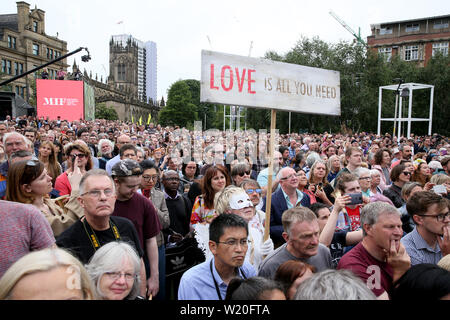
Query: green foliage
{"points": [[179, 109], [104, 112], [362, 73]]}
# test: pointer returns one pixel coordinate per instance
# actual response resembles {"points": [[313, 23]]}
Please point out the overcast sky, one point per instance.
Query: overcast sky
{"points": [[181, 28]]}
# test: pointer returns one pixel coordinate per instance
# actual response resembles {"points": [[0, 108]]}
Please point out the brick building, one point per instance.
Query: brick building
{"points": [[414, 40], [24, 45]]}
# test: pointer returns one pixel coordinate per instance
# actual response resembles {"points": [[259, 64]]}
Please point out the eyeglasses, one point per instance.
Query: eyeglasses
{"points": [[241, 174], [291, 176], [250, 191], [365, 178], [235, 243], [440, 217], [147, 178], [97, 193], [406, 173], [79, 155], [116, 275]]}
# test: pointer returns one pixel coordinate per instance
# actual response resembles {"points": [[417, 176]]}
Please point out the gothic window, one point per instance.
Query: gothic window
{"points": [[121, 72]]}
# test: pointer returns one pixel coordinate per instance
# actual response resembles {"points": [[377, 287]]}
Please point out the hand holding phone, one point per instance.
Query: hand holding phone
{"points": [[356, 198]]}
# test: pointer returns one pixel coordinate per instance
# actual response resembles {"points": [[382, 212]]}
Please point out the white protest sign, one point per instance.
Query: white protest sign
{"points": [[262, 83]]}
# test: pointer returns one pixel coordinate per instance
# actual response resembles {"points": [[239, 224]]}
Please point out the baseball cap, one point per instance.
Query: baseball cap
{"points": [[126, 168]]}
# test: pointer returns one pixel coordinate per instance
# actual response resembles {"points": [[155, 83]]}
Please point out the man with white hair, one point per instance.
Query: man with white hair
{"points": [[12, 142], [380, 258], [286, 197]]}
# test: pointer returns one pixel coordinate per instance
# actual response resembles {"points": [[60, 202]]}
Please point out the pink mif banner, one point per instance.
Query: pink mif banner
{"points": [[62, 98]]}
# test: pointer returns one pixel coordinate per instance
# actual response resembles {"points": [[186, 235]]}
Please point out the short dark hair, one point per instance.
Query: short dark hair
{"points": [[126, 147], [254, 288], [316, 207], [148, 164], [282, 149], [378, 157], [420, 201], [423, 281], [223, 221], [81, 131], [396, 172]]}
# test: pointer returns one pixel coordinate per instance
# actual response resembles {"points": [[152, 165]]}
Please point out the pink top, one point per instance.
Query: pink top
{"points": [[23, 228]]}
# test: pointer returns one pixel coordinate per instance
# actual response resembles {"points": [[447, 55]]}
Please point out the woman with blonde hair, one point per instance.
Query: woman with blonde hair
{"points": [[49, 274], [318, 183], [47, 155], [29, 183]]}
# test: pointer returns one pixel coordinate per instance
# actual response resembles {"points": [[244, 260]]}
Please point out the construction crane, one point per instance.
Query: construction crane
{"points": [[356, 35]]}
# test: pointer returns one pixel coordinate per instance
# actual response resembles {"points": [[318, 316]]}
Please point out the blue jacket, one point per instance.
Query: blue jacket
{"points": [[277, 207]]}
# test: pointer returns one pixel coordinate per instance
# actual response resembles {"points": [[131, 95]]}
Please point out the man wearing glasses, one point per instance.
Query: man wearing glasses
{"points": [[98, 227], [286, 197], [140, 210], [228, 243], [430, 239]]}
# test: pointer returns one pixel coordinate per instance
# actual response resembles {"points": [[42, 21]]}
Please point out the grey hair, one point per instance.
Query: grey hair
{"points": [[333, 285], [372, 211], [280, 173], [95, 172], [222, 198], [374, 171], [139, 149], [250, 182], [360, 171], [311, 158], [110, 258], [102, 141], [9, 134], [167, 172], [294, 215]]}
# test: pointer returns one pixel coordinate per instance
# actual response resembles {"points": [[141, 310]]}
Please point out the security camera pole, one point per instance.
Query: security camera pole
{"points": [[84, 58]]}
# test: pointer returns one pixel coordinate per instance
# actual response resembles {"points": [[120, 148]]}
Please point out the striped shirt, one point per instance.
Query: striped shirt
{"points": [[419, 250]]}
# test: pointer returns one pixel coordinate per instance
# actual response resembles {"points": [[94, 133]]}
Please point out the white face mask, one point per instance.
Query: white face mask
{"points": [[240, 201]]}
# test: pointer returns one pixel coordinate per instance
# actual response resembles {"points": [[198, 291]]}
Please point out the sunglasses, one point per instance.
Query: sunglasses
{"points": [[406, 173], [241, 174], [250, 191], [79, 155]]}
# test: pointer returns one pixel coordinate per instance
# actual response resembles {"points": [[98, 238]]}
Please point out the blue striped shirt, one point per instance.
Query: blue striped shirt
{"points": [[419, 250]]}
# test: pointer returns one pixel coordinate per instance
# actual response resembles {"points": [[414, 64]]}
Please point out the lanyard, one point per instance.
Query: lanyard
{"points": [[93, 237], [215, 282]]}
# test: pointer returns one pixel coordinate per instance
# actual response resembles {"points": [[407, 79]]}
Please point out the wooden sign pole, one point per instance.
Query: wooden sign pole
{"points": [[273, 123]]}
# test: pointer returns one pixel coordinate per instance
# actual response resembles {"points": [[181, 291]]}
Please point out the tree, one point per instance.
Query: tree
{"points": [[179, 109], [104, 112]]}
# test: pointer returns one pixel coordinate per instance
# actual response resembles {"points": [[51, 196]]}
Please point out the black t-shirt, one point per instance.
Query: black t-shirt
{"points": [[337, 246], [77, 241]]}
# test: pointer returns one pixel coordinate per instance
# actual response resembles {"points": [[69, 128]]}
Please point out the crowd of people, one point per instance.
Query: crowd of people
{"points": [[96, 210]]}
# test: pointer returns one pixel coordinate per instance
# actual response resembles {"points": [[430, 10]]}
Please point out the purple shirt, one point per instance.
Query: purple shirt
{"points": [[142, 213]]}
